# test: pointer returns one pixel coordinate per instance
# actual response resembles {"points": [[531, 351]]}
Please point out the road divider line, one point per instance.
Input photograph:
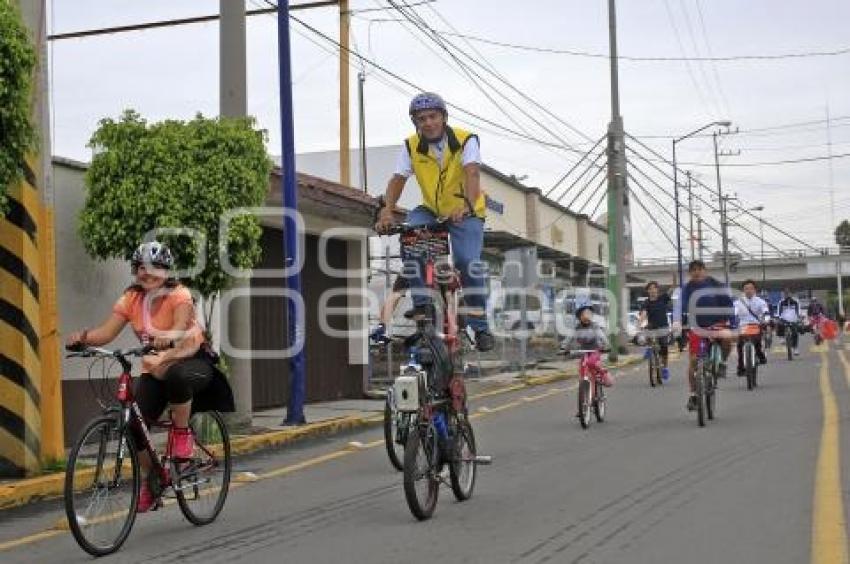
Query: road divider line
{"points": [[829, 533]]}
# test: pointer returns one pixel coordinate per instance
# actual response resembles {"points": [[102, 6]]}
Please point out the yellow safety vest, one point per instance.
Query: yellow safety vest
{"points": [[442, 184]]}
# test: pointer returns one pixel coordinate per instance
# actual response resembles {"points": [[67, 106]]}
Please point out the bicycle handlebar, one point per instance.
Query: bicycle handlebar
{"points": [[89, 352]]}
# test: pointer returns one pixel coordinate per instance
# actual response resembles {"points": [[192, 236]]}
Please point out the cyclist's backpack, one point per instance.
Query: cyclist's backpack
{"points": [[434, 356]]}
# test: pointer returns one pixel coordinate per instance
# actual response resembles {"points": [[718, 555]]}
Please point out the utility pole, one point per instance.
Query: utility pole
{"points": [[617, 204], [700, 246], [761, 236], [724, 235], [289, 197], [233, 102], [361, 98], [691, 215], [344, 102]]}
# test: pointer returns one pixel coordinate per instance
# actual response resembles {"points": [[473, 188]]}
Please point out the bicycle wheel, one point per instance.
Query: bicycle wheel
{"points": [[421, 480], [584, 403], [463, 470], [395, 449], [658, 379], [102, 487], [710, 387], [202, 483], [652, 362], [700, 391], [789, 349], [749, 364], [600, 403], [653, 365]]}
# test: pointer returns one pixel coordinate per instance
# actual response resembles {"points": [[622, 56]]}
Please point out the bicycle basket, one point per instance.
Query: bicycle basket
{"points": [[425, 243]]}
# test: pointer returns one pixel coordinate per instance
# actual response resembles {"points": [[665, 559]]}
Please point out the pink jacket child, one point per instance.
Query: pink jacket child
{"points": [[589, 336]]}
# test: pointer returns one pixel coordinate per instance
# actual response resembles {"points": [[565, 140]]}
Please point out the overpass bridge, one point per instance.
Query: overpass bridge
{"points": [[799, 269]]}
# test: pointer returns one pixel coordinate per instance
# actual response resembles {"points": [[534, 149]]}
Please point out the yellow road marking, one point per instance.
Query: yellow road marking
{"points": [[829, 534], [50, 533]]}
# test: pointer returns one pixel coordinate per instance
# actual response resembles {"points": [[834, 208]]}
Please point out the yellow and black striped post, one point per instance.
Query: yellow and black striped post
{"points": [[30, 393]]}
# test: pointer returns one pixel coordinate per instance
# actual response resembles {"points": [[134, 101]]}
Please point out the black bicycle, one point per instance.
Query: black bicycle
{"points": [[429, 397], [103, 477]]}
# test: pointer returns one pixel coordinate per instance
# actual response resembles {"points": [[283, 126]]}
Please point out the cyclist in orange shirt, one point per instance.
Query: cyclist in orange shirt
{"points": [[161, 312]]}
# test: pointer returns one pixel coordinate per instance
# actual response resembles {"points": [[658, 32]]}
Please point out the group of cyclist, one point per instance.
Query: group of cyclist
{"points": [[706, 308]]}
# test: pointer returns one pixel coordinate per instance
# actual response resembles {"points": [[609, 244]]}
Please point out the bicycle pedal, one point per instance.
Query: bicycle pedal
{"points": [[483, 460]]}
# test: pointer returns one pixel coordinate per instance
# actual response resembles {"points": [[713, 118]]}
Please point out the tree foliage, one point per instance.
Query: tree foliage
{"points": [[176, 174], [842, 235], [17, 132]]}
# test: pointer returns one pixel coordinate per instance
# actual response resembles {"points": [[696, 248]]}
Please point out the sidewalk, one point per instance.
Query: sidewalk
{"points": [[324, 419]]}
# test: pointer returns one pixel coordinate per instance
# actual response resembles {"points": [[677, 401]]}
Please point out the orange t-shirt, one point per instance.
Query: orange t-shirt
{"points": [[151, 314]]}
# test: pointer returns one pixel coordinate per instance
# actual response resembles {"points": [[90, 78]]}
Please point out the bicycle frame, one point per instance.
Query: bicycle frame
{"points": [[131, 415]]}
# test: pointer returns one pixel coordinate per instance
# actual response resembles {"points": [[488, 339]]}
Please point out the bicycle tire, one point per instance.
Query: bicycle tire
{"points": [[652, 362], [658, 378], [76, 523], [711, 397], [391, 432], [461, 488], [600, 404], [584, 403], [700, 391], [220, 443], [421, 509], [749, 364], [788, 347]]}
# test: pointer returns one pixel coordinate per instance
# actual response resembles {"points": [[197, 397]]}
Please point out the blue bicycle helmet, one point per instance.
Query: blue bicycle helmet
{"points": [[427, 101], [582, 305]]}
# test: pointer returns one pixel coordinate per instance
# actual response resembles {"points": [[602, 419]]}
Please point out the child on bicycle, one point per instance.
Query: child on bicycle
{"points": [[589, 336]]}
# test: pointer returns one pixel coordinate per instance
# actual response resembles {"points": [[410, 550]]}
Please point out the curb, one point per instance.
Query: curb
{"points": [[51, 486]]}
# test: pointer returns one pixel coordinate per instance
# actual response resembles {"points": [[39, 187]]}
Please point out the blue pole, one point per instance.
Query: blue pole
{"points": [[295, 408]]}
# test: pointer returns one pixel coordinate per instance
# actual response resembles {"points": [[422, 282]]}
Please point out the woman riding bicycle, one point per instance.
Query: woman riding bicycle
{"points": [[162, 314]]}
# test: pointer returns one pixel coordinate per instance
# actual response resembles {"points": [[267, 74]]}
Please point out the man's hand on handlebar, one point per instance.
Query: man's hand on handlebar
{"points": [[457, 216], [385, 220]]}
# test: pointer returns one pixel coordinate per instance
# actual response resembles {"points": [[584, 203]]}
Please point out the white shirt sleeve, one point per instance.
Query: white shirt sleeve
{"points": [[403, 166], [471, 152]]}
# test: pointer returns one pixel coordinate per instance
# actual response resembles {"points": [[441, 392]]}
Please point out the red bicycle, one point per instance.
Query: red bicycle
{"points": [[591, 392], [103, 475]]}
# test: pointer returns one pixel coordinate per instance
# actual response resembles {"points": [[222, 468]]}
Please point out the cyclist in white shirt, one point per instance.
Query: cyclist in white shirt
{"points": [[789, 314], [750, 311]]}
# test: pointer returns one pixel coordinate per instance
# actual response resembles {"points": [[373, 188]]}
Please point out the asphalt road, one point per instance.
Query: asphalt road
{"points": [[761, 483]]}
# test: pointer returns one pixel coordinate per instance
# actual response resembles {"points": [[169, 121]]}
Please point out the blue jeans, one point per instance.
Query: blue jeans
{"points": [[467, 238]]}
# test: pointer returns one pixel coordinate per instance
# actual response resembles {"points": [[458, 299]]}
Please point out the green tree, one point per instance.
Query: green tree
{"points": [[17, 132], [176, 174], [842, 235]]}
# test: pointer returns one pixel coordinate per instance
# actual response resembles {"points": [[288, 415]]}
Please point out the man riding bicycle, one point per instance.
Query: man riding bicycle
{"points": [[750, 311], [653, 313], [446, 162], [789, 314], [707, 310]]}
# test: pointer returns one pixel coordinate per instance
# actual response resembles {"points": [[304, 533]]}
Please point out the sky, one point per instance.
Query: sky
{"points": [[542, 109]]}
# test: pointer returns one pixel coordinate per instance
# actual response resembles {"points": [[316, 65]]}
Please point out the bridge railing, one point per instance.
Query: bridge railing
{"points": [[769, 255]]}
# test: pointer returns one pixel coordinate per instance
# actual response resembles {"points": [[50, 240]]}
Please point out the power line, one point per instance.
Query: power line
{"points": [[588, 183], [413, 17], [632, 58], [178, 22], [700, 183], [686, 61], [716, 73], [580, 176], [575, 166], [792, 125], [652, 218], [501, 77], [418, 88]]}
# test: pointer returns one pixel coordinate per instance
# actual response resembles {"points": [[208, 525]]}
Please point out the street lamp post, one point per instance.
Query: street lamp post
{"points": [[726, 124]]}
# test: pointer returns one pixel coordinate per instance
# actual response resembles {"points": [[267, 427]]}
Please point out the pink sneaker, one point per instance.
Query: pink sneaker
{"points": [[146, 499], [605, 378], [182, 442]]}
